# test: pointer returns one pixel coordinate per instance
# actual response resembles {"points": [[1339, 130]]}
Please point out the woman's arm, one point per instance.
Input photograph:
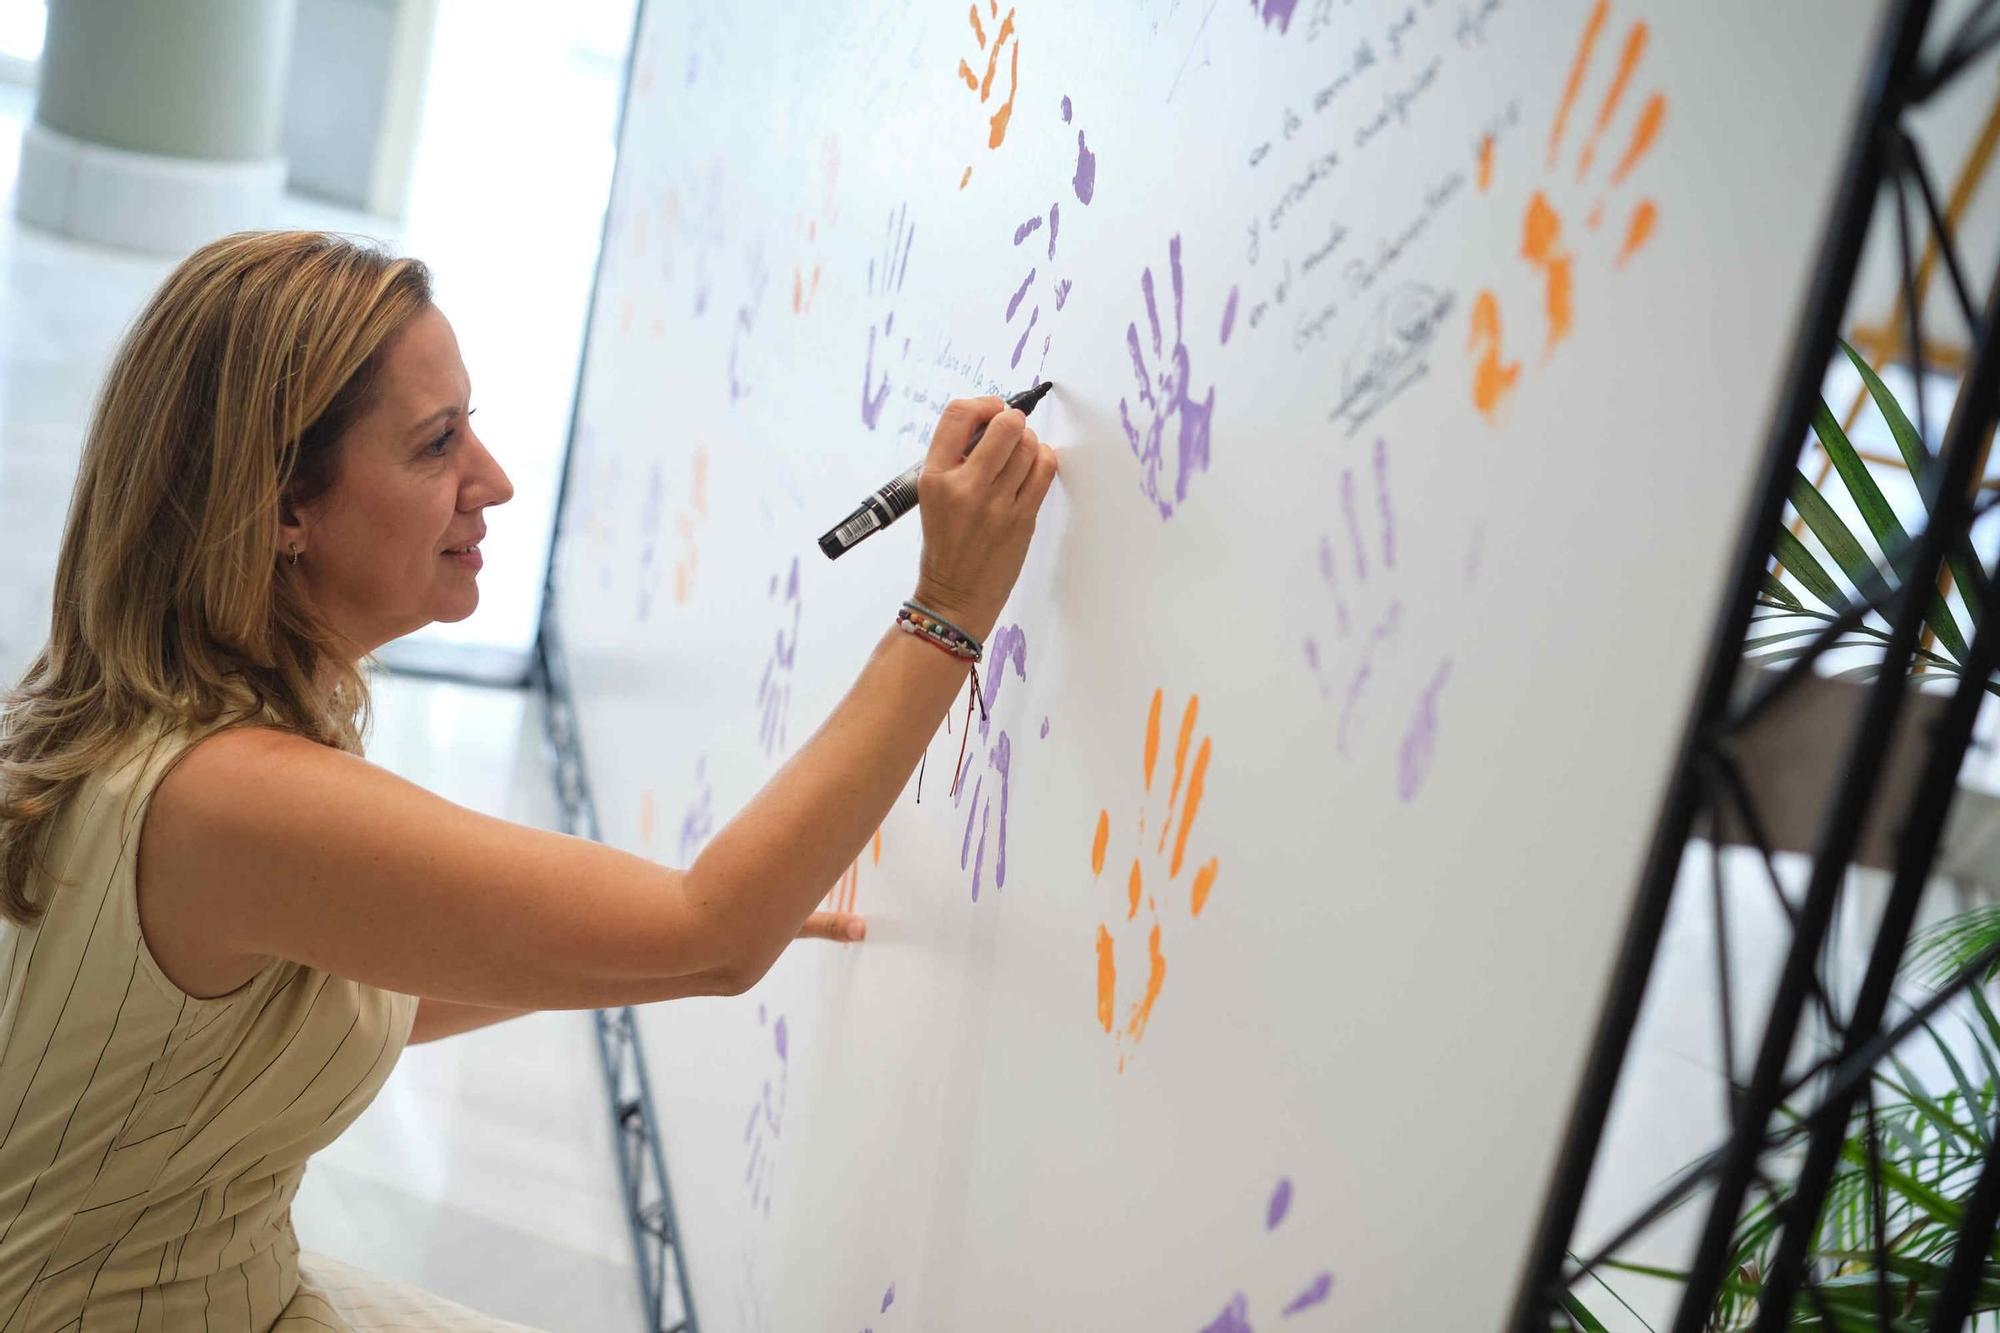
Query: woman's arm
{"points": [[448, 1018], [259, 845]]}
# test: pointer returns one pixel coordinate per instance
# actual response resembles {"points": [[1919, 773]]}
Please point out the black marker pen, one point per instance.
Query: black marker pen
{"points": [[899, 497]]}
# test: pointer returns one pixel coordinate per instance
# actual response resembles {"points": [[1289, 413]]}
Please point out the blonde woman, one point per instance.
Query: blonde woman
{"points": [[221, 923]]}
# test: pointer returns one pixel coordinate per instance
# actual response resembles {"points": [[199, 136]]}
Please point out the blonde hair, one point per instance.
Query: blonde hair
{"points": [[225, 402]]}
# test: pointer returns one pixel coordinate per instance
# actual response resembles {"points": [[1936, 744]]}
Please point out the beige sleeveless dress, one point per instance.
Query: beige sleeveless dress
{"points": [[151, 1142]]}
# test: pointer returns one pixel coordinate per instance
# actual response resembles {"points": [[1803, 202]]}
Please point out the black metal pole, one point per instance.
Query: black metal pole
{"points": [[1924, 825]]}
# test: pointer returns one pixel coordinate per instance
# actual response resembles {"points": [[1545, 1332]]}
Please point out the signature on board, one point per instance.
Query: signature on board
{"points": [[1389, 356]]}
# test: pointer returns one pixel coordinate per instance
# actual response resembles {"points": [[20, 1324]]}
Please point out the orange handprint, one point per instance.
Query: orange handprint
{"points": [[997, 122], [1545, 246], [1127, 1032]]}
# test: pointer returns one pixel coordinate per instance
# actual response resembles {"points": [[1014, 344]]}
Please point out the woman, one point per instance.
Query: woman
{"points": [[221, 923]]}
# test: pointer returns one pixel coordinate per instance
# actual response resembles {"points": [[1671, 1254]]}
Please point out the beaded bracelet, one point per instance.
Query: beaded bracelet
{"points": [[915, 618], [943, 643], [918, 608]]}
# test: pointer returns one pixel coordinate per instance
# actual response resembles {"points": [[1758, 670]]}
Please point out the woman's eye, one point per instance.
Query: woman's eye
{"points": [[436, 447]]}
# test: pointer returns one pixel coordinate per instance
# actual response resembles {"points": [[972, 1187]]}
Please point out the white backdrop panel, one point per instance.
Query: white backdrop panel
{"points": [[1411, 365]]}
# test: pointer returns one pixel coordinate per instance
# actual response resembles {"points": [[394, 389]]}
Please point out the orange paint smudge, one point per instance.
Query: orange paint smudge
{"points": [[878, 847], [1643, 134], [1135, 888], [1204, 880], [1180, 763], [1485, 163], [1107, 978], [1493, 379], [1541, 232], [1584, 47], [1156, 972], [1628, 60], [1152, 737], [1098, 843], [1596, 218], [993, 56], [1196, 781], [1005, 113], [966, 177], [977, 29], [1640, 229], [971, 79]]}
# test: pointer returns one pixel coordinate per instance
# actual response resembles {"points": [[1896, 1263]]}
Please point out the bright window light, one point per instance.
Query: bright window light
{"points": [[21, 25]]}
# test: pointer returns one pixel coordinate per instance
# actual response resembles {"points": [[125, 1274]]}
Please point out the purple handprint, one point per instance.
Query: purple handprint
{"points": [[767, 1121], [1008, 644], [885, 278], [774, 691], [1367, 579], [1164, 398], [698, 820], [1235, 1315], [1084, 183]]}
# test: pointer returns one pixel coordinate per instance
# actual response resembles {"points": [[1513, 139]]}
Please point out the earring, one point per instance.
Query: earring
{"points": [[295, 555]]}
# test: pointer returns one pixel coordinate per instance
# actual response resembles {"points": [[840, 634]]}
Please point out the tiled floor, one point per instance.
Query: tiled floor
{"points": [[484, 1171]]}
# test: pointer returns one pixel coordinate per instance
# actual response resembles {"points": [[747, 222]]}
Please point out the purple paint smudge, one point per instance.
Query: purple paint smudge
{"points": [[1002, 759], [871, 403], [1062, 293], [1020, 294], [1045, 728], [1027, 229], [1235, 1317], [1353, 525], [1008, 644], [1055, 224], [1420, 740], [888, 1298], [1065, 108], [766, 1123], [1382, 503], [1276, 13], [1033, 315], [1229, 316], [774, 690], [698, 820], [1376, 638], [1084, 182], [1321, 1287], [1281, 1203]]}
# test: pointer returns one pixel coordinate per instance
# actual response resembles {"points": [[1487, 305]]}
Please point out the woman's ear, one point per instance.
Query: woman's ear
{"points": [[291, 531]]}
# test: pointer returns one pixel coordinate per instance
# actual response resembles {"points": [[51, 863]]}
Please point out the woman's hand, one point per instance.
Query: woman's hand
{"points": [[979, 510], [843, 926]]}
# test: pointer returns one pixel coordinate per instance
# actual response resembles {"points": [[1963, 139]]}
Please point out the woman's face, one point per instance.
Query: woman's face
{"points": [[379, 554]]}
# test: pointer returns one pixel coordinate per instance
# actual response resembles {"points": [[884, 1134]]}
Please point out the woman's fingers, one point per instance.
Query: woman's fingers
{"points": [[1041, 475], [997, 445], [961, 416], [842, 926], [1008, 484]]}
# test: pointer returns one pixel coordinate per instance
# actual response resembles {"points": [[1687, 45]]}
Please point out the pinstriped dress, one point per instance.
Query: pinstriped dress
{"points": [[151, 1142]]}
